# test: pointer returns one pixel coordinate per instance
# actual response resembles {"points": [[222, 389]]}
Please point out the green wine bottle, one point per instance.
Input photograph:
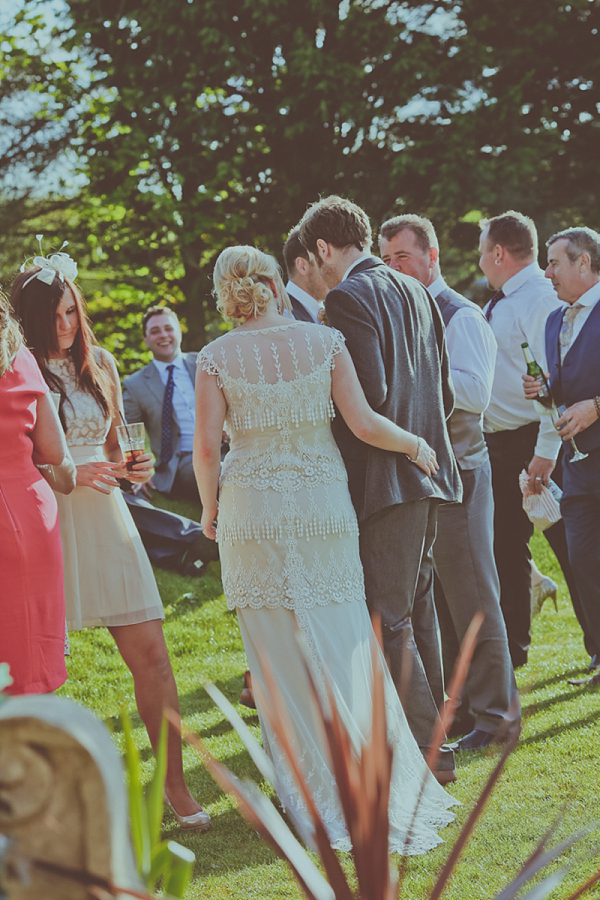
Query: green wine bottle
{"points": [[534, 369]]}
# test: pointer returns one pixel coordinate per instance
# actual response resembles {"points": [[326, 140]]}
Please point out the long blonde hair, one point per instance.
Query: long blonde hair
{"points": [[11, 337], [242, 282]]}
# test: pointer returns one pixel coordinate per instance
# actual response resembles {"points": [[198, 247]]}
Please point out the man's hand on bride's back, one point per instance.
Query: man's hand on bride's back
{"points": [[426, 458]]}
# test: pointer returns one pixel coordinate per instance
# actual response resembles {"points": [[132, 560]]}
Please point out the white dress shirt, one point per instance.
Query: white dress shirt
{"points": [[588, 301], [521, 316], [184, 399], [472, 350], [311, 305], [355, 263]]}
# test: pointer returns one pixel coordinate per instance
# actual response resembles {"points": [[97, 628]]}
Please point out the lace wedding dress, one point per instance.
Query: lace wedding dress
{"points": [[288, 541]]}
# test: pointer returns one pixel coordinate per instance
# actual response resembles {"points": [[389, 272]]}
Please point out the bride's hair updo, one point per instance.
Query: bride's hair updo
{"points": [[242, 278]]}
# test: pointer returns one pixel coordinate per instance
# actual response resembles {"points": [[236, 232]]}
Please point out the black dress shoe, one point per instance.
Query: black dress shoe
{"points": [[475, 740]]}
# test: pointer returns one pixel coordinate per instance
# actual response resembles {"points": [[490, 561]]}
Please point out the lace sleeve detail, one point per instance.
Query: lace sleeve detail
{"points": [[338, 342], [205, 361]]}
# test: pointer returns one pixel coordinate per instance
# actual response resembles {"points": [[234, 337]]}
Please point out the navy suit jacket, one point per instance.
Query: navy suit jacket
{"points": [[578, 376], [396, 337]]}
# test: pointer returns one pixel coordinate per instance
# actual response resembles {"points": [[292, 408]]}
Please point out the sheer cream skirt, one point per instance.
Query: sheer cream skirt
{"points": [[108, 576], [337, 641]]}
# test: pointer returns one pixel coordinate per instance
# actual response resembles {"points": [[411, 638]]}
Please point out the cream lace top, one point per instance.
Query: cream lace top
{"points": [[87, 424], [283, 482]]}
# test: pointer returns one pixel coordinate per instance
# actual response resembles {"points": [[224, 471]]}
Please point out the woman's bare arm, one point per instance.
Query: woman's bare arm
{"points": [[211, 408]]}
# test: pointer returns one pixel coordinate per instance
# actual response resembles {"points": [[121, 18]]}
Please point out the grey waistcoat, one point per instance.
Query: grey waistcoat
{"points": [[466, 432]]}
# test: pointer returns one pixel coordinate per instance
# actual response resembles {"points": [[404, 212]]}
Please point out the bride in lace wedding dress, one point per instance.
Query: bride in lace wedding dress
{"points": [[288, 536]]}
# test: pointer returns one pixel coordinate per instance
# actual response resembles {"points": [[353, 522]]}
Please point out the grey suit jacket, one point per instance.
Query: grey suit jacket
{"points": [[143, 394], [396, 338]]}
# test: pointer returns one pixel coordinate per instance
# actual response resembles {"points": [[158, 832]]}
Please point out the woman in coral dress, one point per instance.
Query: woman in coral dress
{"points": [[32, 604]]}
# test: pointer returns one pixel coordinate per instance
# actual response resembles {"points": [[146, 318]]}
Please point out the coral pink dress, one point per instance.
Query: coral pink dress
{"points": [[32, 604]]}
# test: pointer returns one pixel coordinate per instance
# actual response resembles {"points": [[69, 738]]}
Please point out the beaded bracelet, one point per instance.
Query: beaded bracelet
{"points": [[597, 406], [416, 456]]}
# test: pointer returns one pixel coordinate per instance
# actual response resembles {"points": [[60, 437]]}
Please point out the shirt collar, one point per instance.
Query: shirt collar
{"points": [[591, 296], [307, 300], [162, 366], [354, 264], [520, 277], [437, 286]]}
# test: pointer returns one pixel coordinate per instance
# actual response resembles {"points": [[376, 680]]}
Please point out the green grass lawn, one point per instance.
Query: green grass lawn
{"points": [[555, 763]]}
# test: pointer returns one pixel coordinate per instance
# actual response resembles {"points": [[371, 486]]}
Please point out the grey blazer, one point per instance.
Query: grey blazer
{"points": [[396, 337], [143, 394]]}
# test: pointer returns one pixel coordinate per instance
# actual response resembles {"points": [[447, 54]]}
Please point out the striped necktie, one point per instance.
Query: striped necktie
{"points": [[565, 337], [494, 299], [166, 437]]}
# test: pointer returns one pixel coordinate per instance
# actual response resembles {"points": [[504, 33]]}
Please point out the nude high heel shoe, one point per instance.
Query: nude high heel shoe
{"points": [[540, 593], [199, 821]]}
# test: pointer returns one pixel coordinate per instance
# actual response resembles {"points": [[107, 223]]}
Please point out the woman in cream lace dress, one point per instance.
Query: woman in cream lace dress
{"points": [[288, 536], [108, 577]]}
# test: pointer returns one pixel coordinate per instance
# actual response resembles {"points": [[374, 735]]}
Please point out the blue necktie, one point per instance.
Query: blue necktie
{"points": [[166, 441]]}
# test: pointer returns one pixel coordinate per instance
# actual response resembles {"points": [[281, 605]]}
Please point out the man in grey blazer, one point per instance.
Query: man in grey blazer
{"points": [[395, 336], [162, 396], [467, 579]]}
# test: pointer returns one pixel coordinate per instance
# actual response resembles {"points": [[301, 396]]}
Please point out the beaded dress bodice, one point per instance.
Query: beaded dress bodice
{"points": [[283, 480], [87, 424]]}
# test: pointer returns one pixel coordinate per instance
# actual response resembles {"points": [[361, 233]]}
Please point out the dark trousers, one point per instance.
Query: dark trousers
{"points": [[580, 507], [467, 583], [184, 486], [511, 452], [166, 536], [395, 549]]}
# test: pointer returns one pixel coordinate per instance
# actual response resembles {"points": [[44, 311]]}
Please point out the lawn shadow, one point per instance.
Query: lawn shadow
{"points": [[551, 680], [557, 729], [566, 697], [198, 701], [230, 845], [181, 593]]}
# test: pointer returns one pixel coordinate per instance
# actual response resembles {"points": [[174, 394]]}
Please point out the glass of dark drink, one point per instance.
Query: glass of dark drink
{"points": [[132, 441]]}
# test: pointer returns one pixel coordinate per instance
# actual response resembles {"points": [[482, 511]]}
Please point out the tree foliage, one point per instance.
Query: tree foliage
{"points": [[202, 124]]}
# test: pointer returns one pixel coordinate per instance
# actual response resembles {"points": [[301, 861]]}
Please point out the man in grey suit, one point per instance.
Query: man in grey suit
{"points": [[162, 396], [463, 554], [395, 336]]}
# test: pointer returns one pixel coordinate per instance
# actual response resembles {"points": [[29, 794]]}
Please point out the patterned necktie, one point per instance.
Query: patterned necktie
{"points": [[494, 299], [565, 336], [166, 442]]}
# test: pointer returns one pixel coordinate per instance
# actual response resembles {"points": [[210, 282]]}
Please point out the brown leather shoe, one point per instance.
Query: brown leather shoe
{"points": [[444, 776]]}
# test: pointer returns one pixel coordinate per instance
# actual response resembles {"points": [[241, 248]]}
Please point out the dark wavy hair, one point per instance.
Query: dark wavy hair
{"points": [[336, 221], [35, 305]]}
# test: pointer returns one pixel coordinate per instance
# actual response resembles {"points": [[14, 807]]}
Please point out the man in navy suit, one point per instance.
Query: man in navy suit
{"points": [[395, 336], [305, 288], [573, 358]]}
